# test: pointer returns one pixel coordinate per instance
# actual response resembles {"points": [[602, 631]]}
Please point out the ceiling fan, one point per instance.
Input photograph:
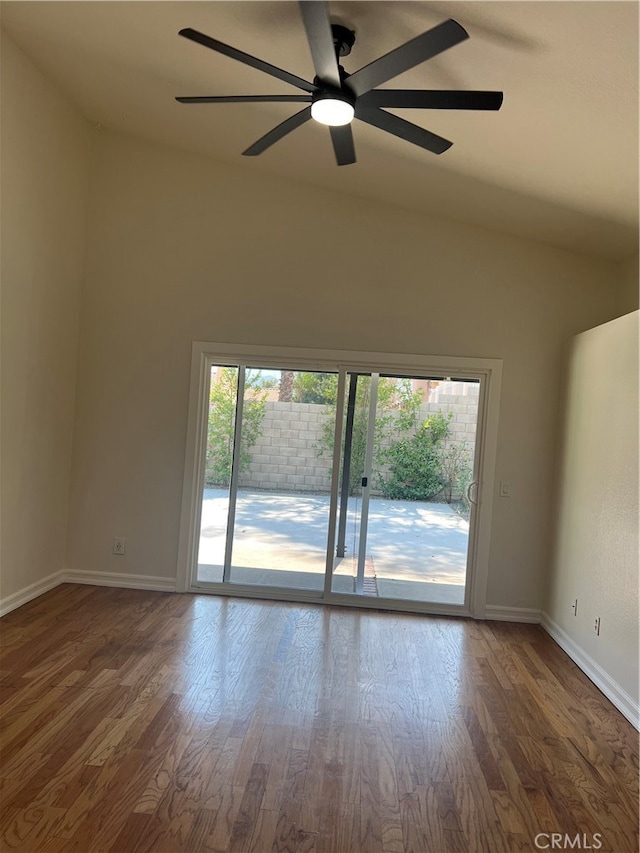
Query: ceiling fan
{"points": [[336, 97]]}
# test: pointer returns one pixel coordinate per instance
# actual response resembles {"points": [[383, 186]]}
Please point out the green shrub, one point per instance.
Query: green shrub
{"points": [[455, 469], [415, 471], [222, 416], [396, 412]]}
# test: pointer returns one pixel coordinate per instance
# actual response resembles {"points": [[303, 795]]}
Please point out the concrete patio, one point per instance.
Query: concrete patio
{"points": [[415, 550]]}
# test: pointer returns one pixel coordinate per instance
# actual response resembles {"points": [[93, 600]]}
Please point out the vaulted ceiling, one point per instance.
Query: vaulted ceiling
{"points": [[558, 162]]}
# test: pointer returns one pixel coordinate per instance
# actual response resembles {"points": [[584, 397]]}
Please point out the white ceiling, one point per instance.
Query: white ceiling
{"points": [[558, 162]]}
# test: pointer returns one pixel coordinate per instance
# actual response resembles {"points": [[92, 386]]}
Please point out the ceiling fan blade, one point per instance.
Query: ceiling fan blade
{"points": [[315, 17], [431, 99], [247, 59], [233, 99], [278, 132], [403, 129], [343, 147], [406, 56]]}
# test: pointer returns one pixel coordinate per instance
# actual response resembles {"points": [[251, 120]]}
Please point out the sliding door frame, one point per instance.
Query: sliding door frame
{"points": [[206, 354]]}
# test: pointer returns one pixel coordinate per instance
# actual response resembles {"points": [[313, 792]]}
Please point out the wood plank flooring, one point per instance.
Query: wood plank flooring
{"points": [[139, 721]]}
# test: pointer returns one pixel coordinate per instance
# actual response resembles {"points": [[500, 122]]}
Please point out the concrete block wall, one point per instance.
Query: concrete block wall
{"points": [[289, 455], [460, 398]]}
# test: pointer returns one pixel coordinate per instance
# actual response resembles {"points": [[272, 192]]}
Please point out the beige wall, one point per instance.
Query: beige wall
{"points": [[629, 285], [45, 147], [181, 248], [596, 558]]}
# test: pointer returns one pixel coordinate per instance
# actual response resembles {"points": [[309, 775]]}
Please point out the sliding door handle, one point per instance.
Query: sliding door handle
{"points": [[470, 488]]}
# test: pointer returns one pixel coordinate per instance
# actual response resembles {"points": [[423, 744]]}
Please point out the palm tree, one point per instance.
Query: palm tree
{"points": [[285, 394]]}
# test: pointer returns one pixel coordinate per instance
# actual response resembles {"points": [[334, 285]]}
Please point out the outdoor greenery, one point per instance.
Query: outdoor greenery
{"points": [[413, 460], [455, 467], [315, 388], [222, 415], [396, 411]]}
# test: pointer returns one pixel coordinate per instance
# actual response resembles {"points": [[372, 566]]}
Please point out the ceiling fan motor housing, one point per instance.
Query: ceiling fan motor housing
{"points": [[324, 90]]}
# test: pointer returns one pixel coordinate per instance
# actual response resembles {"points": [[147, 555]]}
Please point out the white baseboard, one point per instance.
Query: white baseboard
{"points": [[121, 580], [124, 581], [611, 689], [17, 599], [497, 613]]}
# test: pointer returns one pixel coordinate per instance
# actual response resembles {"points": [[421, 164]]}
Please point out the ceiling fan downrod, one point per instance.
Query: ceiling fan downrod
{"points": [[343, 39]]}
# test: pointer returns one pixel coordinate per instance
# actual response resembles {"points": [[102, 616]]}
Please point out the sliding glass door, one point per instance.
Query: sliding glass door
{"points": [[406, 489], [342, 484], [265, 510]]}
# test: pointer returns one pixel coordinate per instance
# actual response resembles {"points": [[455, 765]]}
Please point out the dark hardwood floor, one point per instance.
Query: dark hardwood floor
{"points": [[143, 721]]}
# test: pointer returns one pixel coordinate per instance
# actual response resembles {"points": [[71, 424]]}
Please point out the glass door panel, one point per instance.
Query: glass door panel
{"points": [[412, 446], [223, 395], [283, 467], [351, 566]]}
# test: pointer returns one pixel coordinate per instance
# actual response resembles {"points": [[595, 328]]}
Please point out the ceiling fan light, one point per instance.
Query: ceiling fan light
{"points": [[332, 111]]}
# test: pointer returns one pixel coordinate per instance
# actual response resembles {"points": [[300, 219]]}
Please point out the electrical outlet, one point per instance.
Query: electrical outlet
{"points": [[596, 626], [119, 546], [574, 606]]}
